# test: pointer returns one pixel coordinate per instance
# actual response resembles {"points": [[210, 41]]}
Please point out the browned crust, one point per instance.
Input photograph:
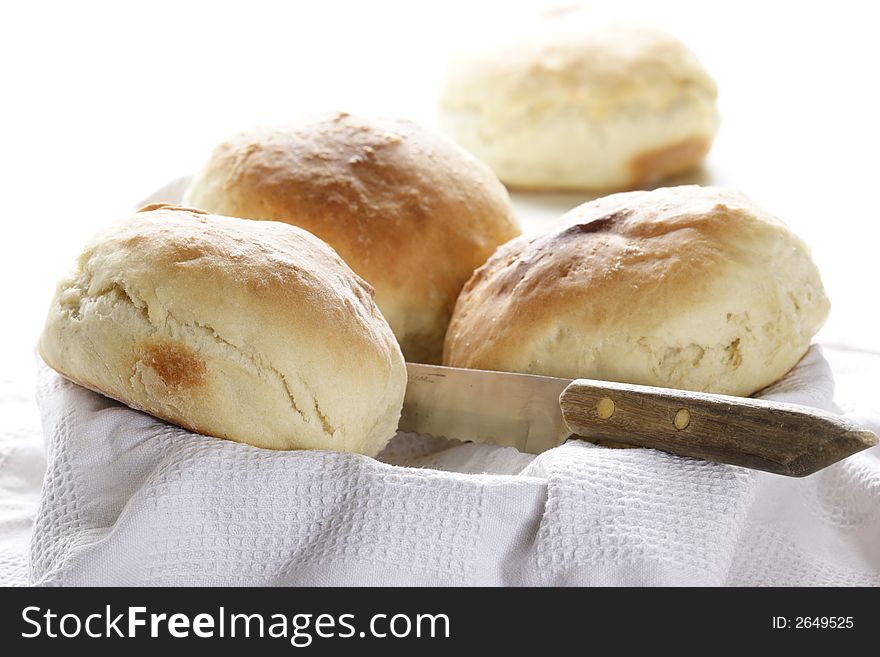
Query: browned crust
{"points": [[135, 405], [407, 210], [175, 363], [659, 163], [641, 246]]}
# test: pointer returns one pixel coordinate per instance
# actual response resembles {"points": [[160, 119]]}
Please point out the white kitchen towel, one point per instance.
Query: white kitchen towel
{"points": [[130, 500]]}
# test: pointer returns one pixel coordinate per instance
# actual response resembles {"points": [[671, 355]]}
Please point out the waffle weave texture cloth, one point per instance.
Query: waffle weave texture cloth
{"points": [[130, 500]]}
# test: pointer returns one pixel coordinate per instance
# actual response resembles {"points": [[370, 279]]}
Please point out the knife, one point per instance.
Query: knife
{"points": [[536, 413]]}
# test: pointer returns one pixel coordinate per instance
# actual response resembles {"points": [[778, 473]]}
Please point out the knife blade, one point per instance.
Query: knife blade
{"points": [[536, 413], [501, 408]]}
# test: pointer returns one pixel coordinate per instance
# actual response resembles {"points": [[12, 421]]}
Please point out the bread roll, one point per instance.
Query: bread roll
{"points": [[577, 106], [687, 287], [255, 332], [409, 211]]}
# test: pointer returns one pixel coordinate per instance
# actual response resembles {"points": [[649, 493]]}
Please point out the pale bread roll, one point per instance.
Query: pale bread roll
{"points": [[574, 105], [687, 287], [255, 332], [409, 211]]}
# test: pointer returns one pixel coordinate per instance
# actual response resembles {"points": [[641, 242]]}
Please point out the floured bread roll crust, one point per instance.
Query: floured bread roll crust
{"points": [[687, 287], [575, 105], [255, 332]]}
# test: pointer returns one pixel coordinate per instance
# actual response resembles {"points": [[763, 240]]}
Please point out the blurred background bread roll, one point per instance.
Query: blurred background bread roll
{"points": [[408, 210], [685, 287], [255, 332], [572, 105]]}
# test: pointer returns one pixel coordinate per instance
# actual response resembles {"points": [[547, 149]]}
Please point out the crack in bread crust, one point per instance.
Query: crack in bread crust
{"points": [[252, 331], [167, 351]]}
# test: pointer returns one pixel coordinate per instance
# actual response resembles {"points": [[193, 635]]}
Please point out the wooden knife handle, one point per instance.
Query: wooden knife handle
{"points": [[776, 437]]}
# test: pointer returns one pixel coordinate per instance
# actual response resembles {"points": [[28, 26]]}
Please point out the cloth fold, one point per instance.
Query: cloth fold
{"points": [[130, 500]]}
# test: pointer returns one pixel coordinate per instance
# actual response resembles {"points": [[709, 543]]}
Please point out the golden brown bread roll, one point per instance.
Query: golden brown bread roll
{"points": [[685, 287], [408, 210]]}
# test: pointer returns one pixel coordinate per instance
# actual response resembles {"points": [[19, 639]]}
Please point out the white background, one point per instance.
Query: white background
{"points": [[104, 102]]}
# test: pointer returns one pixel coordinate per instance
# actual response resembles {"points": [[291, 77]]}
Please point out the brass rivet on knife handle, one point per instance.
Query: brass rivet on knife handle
{"points": [[785, 439], [605, 408], [682, 419]]}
